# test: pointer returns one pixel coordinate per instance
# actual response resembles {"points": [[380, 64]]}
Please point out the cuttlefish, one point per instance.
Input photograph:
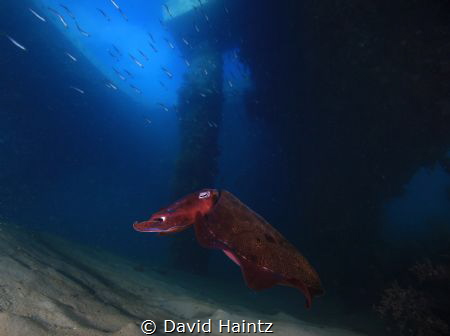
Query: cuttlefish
{"points": [[221, 221]]}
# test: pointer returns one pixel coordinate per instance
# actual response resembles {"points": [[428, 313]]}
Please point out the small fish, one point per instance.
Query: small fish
{"points": [[169, 43], [17, 44], [187, 62], [205, 72], [128, 73], [153, 47], [135, 60], [77, 89], [60, 17], [185, 41], [71, 57], [230, 84], [63, 22], [164, 107], [135, 89], [196, 28], [143, 54], [163, 85], [37, 15], [117, 50], [225, 8], [112, 55], [115, 4], [123, 15], [83, 32], [203, 94], [148, 121], [119, 74], [168, 73], [151, 37], [68, 11], [111, 86], [168, 10], [104, 14]]}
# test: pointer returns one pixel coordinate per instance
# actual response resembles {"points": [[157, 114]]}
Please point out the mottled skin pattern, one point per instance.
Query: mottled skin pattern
{"points": [[223, 222]]}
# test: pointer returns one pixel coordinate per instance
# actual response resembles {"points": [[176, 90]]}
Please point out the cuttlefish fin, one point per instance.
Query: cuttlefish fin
{"points": [[258, 278]]}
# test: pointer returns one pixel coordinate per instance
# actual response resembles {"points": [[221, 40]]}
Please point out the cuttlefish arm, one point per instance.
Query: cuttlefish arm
{"points": [[221, 221]]}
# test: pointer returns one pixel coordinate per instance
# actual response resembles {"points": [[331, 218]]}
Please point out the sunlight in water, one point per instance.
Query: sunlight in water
{"points": [[126, 40]]}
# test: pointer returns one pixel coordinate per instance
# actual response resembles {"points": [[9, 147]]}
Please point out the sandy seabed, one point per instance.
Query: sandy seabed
{"points": [[49, 286]]}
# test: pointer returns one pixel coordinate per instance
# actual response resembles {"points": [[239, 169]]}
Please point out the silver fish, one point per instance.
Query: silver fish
{"points": [[168, 10], [77, 89], [164, 107], [153, 47], [17, 44], [135, 60], [37, 15], [123, 14], [128, 73], [111, 86], [63, 22], [143, 54], [68, 11], [135, 89], [55, 12], [117, 50], [169, 43], [112, 55], [162, 24], [83, 32], [71, 57], [115, 4], [168, 73], [119, 74], [151, 36], [185, 41], [104, 14]]}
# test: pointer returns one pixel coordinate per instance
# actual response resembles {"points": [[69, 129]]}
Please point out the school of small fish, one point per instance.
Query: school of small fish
{"points": [[138, 57]]}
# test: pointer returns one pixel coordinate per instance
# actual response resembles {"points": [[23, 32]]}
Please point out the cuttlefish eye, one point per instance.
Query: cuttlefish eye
{"points": [[204, 194]]}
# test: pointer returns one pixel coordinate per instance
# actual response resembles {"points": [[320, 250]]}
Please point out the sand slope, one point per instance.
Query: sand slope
{"points": [[49, 286]]}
